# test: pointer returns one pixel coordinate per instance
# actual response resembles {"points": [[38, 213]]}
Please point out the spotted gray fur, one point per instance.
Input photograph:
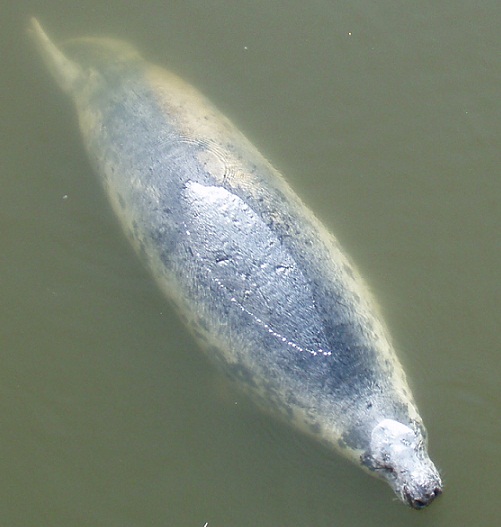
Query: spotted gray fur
{"points": [[259, 280]]}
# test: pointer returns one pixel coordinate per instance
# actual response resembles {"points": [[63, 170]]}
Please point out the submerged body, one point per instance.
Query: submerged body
{"points": [[259, 280]]}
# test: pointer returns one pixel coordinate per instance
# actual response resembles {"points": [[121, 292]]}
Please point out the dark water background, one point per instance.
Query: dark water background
{"points": [[385, 117]]}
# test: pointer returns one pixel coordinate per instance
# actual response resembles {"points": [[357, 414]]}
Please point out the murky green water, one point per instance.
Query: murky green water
{"points": [[386, 118]]}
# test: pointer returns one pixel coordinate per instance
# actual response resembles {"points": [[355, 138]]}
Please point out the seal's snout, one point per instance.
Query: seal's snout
{"points": [[423, 499]]}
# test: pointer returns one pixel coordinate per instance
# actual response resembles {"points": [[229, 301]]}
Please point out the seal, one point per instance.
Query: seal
{"points": [[263, 285]]}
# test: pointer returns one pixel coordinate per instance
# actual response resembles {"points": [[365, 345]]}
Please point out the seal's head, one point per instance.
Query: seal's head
{"points": [[398, 454]]}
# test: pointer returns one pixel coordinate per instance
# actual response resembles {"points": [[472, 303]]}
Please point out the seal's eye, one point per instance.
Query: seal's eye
{"points": [[385, 463]]}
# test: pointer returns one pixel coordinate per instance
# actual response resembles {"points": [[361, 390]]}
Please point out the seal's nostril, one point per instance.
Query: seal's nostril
{"points": [[421, 503]]}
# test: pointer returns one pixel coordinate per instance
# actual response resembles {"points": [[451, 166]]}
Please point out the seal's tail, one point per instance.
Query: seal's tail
{"points": [[67, 74]]}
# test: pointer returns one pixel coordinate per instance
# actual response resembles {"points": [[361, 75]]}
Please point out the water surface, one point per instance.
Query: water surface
{"points": [[385, 117]]}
